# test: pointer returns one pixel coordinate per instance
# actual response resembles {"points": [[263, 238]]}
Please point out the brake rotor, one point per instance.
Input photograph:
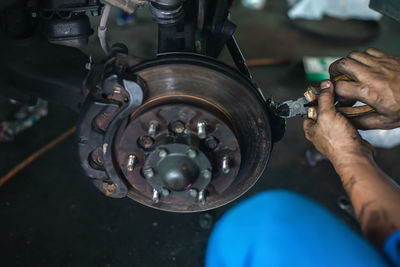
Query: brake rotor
{"points": [[200, 139], [179, 133]]}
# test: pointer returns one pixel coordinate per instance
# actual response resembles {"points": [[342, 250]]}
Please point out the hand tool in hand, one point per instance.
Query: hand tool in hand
{"points": [[308, 105]]}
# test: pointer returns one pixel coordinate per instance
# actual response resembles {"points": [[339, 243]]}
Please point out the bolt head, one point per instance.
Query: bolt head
{"points": [[192, 153], [177, 127], [207, 174], [163, 153], [211, 142], [165, 192], [148, 173], [109, 188], [193, 192], [145, 141]]}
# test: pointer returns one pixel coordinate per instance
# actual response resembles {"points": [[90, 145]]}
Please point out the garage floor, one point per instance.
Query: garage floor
{"points": [[51, 215]]}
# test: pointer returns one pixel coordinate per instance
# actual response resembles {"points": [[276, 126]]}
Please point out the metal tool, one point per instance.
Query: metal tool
{"points": [[307, 105]]}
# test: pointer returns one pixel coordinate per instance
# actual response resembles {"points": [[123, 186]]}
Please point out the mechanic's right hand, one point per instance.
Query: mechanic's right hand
{"points": [[376, 82], [333, 135]]}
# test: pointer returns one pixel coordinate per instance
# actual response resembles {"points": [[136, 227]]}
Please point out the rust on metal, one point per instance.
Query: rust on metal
{"points": [[237, 128]]}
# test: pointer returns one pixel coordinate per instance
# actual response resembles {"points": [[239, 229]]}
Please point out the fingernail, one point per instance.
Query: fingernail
{"points": [[325, 85]]}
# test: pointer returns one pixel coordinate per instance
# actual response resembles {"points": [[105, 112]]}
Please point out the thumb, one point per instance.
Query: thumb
{"points": [[326, 97], [309, 128]]}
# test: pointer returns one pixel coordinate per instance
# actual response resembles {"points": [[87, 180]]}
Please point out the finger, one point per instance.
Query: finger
{"points": [[363, 58], [349, 67], [344, 102], [372, 121], [351, 91], [308, 126], [347, 89], [376, 52], [326, 98]]}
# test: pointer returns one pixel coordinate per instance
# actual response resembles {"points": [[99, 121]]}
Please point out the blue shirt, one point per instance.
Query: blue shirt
{"points": [[283, 228]]}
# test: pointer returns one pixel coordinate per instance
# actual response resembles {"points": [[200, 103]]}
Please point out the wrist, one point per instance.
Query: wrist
{"points": [[347, 163]]}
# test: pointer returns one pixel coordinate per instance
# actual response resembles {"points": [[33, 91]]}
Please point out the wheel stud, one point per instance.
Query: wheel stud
{"points": [[152, 128], [226, 164], [201, 129], [131, 162], [202, 197], [156, 196]]}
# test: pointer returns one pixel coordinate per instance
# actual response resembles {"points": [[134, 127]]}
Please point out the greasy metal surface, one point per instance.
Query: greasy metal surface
{"points": [[229, 93], [178, 172], [167, 111]]}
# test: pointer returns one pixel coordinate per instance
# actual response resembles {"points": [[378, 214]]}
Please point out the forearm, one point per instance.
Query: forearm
{"points": [[375, 197]]}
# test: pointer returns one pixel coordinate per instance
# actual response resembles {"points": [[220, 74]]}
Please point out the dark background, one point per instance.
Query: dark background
{"points": [[51, 215]]}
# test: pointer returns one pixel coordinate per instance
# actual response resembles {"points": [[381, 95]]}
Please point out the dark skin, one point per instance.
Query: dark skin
{"points": [[375, 197], [376, 82]]}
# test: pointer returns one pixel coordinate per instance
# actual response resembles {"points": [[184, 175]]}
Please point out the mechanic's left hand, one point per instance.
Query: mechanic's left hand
{"points": [[332, 134]]}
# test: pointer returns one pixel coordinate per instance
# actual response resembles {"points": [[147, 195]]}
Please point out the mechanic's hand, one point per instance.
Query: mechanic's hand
{"points": [[376, 82], [332, 134]]}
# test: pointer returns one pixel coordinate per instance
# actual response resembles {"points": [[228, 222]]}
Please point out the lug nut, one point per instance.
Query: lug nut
{"points": [[146, 141], [148, 173], [202, 197], [207, 174], [226, 164], [156, 196], [131, 162], [152, 128], [193, 192], [177, 127], [201, 129], [163, 153], [211, 142], [192, 153]]}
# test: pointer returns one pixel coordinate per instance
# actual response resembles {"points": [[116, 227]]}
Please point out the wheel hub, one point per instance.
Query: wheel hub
{"points": [[197, 138], [180, 148]]}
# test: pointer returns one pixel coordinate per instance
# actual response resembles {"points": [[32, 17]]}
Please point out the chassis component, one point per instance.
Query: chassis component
{"points": [[197, 141], [182, 132]]}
